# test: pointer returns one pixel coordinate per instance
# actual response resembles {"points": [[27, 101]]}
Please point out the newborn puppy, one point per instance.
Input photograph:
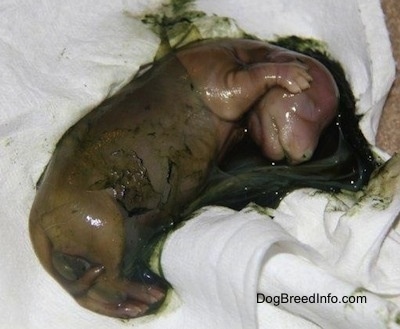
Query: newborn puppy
{"points": [[128, 168]]}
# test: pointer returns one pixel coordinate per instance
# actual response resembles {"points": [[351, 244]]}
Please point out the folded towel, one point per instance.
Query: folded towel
{"points": [[61, 59]]}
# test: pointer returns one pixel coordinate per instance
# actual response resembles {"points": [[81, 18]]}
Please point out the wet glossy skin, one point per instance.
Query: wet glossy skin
{"points": [[287, 116], [131, 165], [293, 132]]}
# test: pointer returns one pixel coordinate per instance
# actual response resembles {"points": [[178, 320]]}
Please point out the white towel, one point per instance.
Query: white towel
{"points": [[60, 59]]}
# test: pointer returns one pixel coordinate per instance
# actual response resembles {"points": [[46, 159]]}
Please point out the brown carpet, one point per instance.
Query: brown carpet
{"points": [[388, 137]]}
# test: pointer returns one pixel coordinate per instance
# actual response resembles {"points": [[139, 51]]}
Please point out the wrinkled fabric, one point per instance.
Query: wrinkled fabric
{"points": [[59, 60]]}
